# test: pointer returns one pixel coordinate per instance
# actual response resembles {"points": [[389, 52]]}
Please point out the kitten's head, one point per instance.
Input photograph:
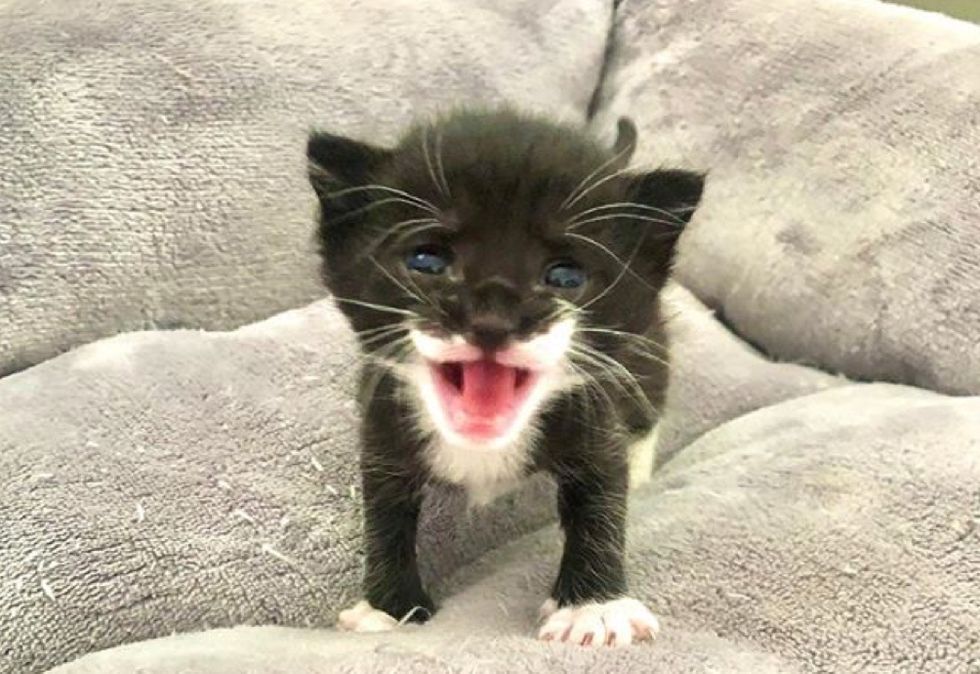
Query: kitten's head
{"points": [[494, 259]]}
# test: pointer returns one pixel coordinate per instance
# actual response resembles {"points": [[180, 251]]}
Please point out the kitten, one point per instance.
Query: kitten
{"points": [[502, 274]]}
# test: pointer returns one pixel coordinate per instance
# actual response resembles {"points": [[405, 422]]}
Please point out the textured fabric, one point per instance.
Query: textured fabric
{"points": [[841, 220], [152, 169], [835, 530], [799, 521], [170, 481]]}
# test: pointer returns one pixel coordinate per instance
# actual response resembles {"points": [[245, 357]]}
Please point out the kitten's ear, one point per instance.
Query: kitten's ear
{"points": [[336, 162], [625, 143], [674, 192]]}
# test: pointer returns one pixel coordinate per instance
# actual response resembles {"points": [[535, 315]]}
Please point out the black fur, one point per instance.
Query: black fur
{"points": [[508, 175]]}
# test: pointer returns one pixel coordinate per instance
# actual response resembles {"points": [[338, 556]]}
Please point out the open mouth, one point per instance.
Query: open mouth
{"points": [[482, 399]]}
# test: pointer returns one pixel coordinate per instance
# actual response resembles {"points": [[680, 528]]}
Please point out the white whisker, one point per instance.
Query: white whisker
{"points": [[408, 197], [377, 307], [439, 166], [596, 185], [572, 198], [424, 136], [371, 206], [393, 330], [617, 216], [613, 255], [633, 204], [396, 229], [619, 277], [609, 366], [643, 339], [417, 295], [394, 280]]}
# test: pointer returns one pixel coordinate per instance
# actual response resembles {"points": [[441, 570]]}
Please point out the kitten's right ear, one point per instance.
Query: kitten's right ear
{"points": [[336, 162]]}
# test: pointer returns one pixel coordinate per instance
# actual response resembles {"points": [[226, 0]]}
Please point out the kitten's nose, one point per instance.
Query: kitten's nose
{"points": [[490, 307], [490, 332]]}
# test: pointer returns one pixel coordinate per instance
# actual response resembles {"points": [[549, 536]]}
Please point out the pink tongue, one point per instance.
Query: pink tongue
{"points": [[488, 388]]}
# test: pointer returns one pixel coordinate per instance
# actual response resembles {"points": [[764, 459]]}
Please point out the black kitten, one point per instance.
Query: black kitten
{"points": [[502, 273]]}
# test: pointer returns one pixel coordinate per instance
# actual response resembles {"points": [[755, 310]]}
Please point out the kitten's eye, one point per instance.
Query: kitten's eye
{"points": [[565, 275], [429, 260]]}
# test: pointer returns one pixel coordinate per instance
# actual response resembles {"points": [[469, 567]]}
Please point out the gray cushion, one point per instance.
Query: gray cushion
{"points": [[798, 520], [170, 481], [833, 530], [152, 171], [841, 223]]}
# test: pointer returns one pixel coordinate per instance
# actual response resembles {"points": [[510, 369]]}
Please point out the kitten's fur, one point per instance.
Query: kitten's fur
{"points": [[503, 195]]}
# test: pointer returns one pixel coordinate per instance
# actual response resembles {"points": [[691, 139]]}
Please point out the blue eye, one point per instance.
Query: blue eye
{"points": [[429, 260], [565, 275]]}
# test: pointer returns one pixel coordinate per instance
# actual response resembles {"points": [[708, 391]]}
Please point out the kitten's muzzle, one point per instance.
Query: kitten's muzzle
{"points": [[480, 394]]}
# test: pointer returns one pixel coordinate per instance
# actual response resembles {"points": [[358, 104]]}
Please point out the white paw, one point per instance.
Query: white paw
{"points": [[362, 617], [619, 622]]}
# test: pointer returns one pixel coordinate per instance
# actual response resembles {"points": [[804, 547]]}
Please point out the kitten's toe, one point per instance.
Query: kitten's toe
{"points": [[588, 629], [619, 630], [619, 622], [557, 626], [362, 617], [547, 608]]}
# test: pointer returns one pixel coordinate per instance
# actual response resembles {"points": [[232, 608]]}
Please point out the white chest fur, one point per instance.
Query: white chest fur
{"points": [[484, 473]]}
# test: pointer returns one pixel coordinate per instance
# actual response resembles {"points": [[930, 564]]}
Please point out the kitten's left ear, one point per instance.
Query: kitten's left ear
{"points": [[625, 143], [337, 162], [676, 193]]}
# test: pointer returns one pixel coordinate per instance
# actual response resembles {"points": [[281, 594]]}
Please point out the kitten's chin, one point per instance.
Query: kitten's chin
{"points": [[482, 403]]}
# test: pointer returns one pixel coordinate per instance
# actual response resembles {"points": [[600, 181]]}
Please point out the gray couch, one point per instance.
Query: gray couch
{"points": [[178, 500]]}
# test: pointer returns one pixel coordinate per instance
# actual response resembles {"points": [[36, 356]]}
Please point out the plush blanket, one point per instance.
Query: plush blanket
{"points": [[152, 171], [841, 139]]}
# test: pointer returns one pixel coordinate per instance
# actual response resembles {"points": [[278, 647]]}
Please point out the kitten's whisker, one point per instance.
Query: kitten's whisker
{"points": [[379, 328], [650, 356], [424, 136], [592, 242], [383, 354], [568, 202], [606, 250], [369, 207], [377, 307], [564, 309], [610, 366], [439, 165], [633, 204], [609, 288], [387, 327], [591, 385], [596, 185], [585, 349], [383, 366], [412, 231], [643, 339], [381, 336], [396, 229], [394, 280], [418, 296], [408, 197], [625, 216]]}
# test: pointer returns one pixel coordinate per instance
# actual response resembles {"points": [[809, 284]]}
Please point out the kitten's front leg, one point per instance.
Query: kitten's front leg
{"points": [[588, 603], [392, 587]]}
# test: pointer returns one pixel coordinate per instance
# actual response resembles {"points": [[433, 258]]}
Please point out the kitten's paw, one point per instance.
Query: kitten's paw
{"points": [[619, 622], [362, 617]]}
